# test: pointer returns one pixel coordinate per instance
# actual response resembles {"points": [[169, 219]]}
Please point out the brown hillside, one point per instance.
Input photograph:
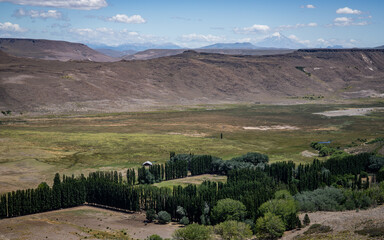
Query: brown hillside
{"points": [[188, 78], [51, 50]]}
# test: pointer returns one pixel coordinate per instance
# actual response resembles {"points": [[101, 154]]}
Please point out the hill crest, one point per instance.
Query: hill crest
{"points": [[51, 50]]}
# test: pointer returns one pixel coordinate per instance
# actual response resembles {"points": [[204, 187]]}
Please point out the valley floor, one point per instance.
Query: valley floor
{"points": [[34, 148]]}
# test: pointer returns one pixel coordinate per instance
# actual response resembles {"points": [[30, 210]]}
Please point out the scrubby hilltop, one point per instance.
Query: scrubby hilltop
{"points": [[188, 78], [51, 50]]}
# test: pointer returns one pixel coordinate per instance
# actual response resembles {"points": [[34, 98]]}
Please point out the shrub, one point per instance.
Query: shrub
{"points": [[306, 220], [318, 228], [228, 209], [270, 226], [285, 209], [380, 175], [372, 232], [251, 223], [193, 232], [150, 215], [184, 220], [181, 211], [327, 199], [233, 230], [164, 217], [154, 237]]}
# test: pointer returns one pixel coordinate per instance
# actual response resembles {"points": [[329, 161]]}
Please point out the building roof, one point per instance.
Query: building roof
{"points": [[147, 163]]}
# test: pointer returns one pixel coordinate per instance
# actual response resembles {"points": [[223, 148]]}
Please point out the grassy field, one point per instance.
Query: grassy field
{"points": [[33, 148]]}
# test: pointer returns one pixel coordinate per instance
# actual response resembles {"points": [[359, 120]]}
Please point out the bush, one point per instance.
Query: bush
{"points": [[150, 215], [154, 237], [373, 232], [184, 220], [270, 226], [380, 175], [327, 199], [233, 230], [285, 209], [193, 232], [318, 228], [228, 209], [251, 223], [181, 211], [306, 220], [376, 193], [164, 217]]}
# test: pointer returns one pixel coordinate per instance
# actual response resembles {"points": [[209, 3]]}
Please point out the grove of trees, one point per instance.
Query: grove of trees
{"points": [[256, 192]]}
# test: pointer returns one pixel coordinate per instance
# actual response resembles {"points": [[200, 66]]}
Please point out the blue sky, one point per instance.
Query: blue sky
{"points": [[195, 23]]}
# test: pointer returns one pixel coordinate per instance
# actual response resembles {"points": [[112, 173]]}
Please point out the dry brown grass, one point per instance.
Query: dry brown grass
{"points": [[82, 223]]}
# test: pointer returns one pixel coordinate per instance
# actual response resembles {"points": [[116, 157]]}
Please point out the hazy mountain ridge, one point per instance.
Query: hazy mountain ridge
{"points": [[157, 53], [135, 46], [187, 78], [244, 45], [281, 41]]}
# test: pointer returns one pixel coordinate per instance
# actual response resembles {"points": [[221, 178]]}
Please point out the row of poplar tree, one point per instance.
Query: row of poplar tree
{"points": [[251, 180]]}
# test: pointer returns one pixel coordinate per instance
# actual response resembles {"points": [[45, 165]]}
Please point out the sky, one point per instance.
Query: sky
{"points": [[195, 23]]}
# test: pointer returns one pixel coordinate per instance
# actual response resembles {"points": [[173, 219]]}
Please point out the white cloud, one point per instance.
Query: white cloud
{"points": [[253, 29], [72, 4], [110, 36], [244, 40], [308, 6], [193, 37], [11, 27], [345, 21], [299, 25], [296, 39], [323, 43], [122, 18], [347, 10], [38, 14]]}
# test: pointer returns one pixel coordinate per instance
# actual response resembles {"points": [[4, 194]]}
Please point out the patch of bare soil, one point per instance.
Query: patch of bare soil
{"points": [[350, 112], [189, 134], [343, 224], [307, 153], [83, 222], [275, 127]]}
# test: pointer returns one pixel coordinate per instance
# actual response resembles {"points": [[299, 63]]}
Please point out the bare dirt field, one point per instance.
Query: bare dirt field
{"points": [[350, 112], [192, 180], [276, 127], [343, 224], [83, 222]]}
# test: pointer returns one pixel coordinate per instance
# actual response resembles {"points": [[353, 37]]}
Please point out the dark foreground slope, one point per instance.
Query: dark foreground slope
{"points": [[51, 50], [187, 78]]}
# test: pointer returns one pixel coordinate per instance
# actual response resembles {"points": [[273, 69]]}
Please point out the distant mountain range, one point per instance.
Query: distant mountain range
{"points": [[135, 46], [64, 51], [244, 45], [276, 41], [157, 53]]}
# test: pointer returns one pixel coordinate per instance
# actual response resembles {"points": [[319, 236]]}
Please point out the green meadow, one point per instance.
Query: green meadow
{"points": [[33, 148]]}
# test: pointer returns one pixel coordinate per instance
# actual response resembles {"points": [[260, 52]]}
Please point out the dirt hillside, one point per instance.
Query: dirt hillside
{"points": [[51, 50], [188, 78]]}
